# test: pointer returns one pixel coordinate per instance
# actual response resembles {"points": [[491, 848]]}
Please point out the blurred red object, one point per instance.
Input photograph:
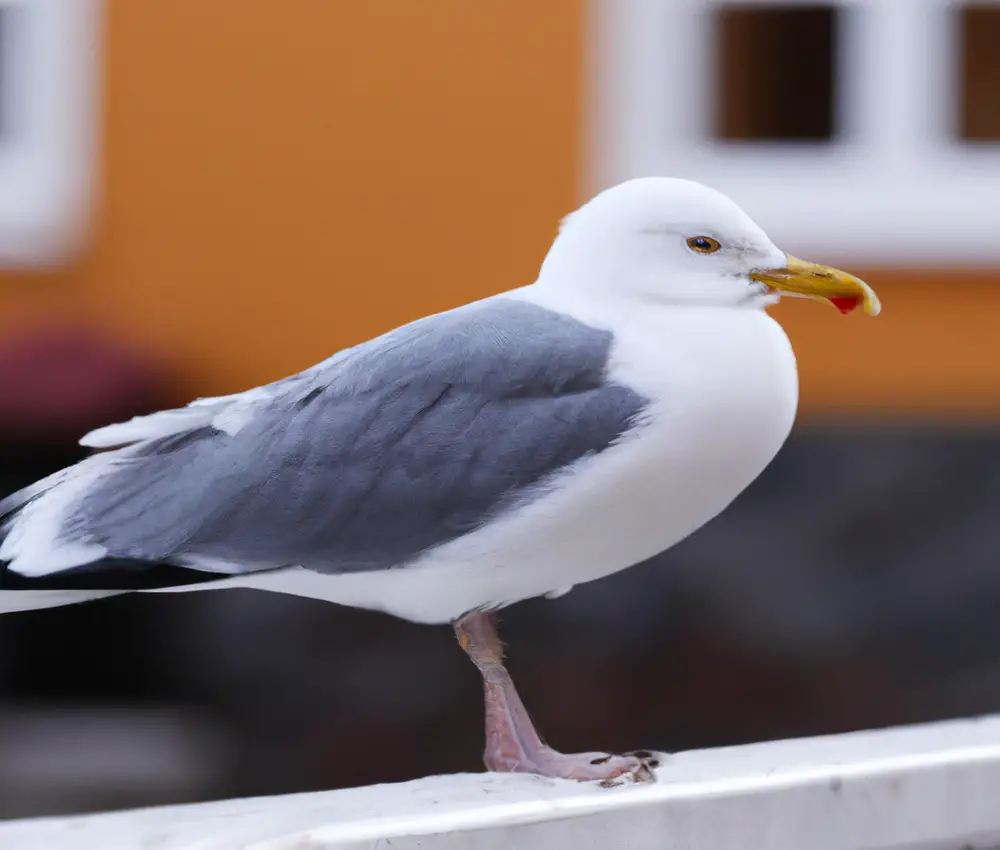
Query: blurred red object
{"points": [[58, 382]]}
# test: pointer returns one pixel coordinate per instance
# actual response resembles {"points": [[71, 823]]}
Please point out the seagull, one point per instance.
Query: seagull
{"points": [[510, 448]]}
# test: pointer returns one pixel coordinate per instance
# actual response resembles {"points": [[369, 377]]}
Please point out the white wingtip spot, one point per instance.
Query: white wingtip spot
{"points": [[34, 544]]}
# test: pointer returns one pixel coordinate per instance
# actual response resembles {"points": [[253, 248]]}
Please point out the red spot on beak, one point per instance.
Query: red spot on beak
{"points": [[845, 303]]}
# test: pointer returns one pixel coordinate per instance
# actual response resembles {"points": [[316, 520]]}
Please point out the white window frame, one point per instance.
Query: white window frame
{"points": [[47, 147], [897, 187]]}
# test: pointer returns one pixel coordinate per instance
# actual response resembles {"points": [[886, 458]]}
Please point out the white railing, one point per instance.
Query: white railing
{"points": [[934, 787]]}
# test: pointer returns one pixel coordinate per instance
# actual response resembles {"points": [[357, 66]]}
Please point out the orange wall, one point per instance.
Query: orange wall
{"points": [[281, 180]]}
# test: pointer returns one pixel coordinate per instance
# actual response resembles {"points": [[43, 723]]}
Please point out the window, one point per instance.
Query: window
{"points": [[775, 72], [47, 109], [980, 72], [855, 130], [4, 51]]}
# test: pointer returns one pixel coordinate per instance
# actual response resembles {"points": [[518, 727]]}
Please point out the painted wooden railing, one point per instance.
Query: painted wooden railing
{"points": [[933, 787]]}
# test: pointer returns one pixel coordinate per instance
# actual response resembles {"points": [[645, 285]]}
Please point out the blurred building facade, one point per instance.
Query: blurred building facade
{"points": [[272, 182], [258, 170]]}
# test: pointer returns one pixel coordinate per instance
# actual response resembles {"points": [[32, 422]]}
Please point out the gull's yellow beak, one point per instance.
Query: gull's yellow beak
{"points": [[800, 277]]}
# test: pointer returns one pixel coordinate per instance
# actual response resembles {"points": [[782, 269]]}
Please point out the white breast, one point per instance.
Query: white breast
{"points": [[723, 393]]}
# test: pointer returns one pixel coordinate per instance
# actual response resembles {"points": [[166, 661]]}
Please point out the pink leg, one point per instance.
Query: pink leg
{"points": [[512, 744]]}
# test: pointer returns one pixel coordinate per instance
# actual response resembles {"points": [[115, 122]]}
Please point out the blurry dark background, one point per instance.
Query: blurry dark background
{"points": [[274, 184]]}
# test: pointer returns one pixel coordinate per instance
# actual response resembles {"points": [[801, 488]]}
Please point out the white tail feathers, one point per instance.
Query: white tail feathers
{"points": [[12, 601], [34, 543]]}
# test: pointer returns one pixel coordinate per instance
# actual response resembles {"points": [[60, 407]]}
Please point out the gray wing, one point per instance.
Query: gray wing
{"points": [[400, 445]]}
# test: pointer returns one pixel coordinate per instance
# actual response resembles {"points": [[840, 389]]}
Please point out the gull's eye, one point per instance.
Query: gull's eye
{"points": [[703, 244]]}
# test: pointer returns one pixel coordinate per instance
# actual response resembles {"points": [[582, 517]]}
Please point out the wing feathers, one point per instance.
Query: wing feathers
{"points": [[360, 463]]}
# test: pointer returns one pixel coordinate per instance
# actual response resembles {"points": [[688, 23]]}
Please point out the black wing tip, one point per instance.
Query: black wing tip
{"points": [[108, 574]]}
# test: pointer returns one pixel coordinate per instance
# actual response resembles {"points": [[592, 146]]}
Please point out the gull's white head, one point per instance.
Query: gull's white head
{"points": [[676, 241]]}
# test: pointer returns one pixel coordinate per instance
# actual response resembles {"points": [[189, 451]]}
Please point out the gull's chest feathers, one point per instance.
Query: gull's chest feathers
{"points": [[723, 392]]}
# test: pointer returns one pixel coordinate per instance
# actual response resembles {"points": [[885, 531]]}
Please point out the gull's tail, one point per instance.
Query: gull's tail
{"points": [[43, 564], [101, 579]]}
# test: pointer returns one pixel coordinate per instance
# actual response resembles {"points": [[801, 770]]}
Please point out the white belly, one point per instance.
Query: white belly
{"points": [[723, 393]]}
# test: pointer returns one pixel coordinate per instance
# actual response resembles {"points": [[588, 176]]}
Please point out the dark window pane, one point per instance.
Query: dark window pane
{"points": [[775, 72], [4, 74], [979, 72]]}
